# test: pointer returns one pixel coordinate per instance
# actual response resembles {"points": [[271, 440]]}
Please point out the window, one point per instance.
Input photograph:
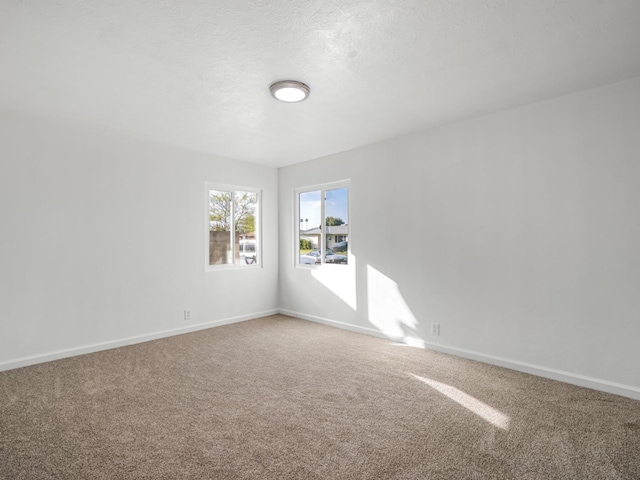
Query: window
{"points": [[322, 224], [232, 226]]}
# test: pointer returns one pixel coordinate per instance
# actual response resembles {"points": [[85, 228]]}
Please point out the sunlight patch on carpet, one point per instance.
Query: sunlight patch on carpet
{"points": [[472, 404]]}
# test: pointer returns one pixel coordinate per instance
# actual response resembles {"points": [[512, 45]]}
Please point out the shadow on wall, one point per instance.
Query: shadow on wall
{"points": [[390, 314], [339, 280], [388, 310]]}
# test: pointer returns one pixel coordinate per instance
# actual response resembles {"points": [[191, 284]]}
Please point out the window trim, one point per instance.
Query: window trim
{"points": [[223, 187], [323, 187]]}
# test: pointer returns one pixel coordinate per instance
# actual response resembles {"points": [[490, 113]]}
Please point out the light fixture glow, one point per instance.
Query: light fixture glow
{"points": [[289, 91]]}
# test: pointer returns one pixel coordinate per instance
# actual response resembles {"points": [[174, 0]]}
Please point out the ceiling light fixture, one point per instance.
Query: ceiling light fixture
{"points": [[290, 91]]}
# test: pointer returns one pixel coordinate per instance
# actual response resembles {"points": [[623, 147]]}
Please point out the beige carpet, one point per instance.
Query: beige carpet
{"points": [[280, 398]]}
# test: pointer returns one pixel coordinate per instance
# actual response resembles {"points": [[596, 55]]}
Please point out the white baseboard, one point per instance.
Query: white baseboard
{"points": [[96, 347], [566, 377], [335, 323]]}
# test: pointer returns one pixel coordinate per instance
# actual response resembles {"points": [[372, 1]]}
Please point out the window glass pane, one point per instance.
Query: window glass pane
{"points": [[309, 233], [336, 209], [233, 230], [220, 251], [246, 209]]}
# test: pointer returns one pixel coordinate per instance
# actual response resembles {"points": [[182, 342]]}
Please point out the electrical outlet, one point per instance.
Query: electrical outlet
{"points": [[187, 314], [435, 329]]}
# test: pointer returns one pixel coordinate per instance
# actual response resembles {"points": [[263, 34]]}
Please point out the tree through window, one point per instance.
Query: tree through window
{"points": [[233, 226]]}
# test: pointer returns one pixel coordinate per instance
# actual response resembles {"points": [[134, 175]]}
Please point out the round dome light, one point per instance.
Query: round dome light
{"points": [[289, 91]]}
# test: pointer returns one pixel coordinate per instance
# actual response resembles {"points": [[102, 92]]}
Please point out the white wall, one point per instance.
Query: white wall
{"points": [[518, 232], [102, 240]]}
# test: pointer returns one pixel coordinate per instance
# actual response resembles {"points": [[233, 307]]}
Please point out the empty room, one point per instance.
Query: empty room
{"points": [[320, 239]]}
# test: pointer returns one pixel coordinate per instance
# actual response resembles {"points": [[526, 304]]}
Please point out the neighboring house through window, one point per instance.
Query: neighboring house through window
{"points": [[322, 224]]}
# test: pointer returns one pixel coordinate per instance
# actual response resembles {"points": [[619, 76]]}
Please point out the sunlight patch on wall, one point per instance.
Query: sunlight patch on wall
{"points": [[388, 311], [340, 280], [411, 342], [472, 404]]}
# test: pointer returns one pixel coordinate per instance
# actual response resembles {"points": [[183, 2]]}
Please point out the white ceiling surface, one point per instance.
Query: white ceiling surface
{"points": [[195, 73]]}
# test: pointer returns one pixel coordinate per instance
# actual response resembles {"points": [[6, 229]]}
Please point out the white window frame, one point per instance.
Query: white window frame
{"points": [[323, 187], [208, 186]]}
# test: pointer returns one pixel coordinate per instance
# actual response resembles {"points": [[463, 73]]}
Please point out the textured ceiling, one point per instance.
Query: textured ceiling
{"points": [[195, 73]]}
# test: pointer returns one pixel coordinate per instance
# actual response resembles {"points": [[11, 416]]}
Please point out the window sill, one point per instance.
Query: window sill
{"points": [[219, 268]]}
